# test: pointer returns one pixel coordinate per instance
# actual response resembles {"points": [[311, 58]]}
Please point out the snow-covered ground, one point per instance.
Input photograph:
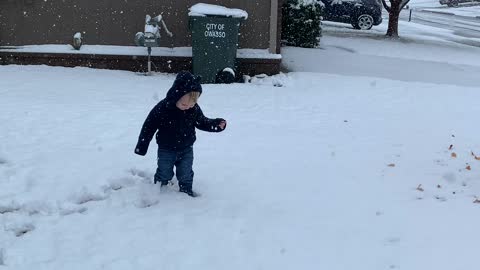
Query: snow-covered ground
{"points": [[472, 11], [363, 157], [427, 20], [424, 3], [469, 9], [417, 41], [423, 54], [459, 26], [418, 4]]}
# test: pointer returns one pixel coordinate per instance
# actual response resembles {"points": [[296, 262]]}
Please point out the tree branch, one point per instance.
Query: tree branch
{"points": [[404, 3], [386, 6]]}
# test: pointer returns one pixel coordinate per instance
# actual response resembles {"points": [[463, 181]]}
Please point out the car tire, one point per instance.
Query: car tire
{"points": [[452, 3], [363, 22]]}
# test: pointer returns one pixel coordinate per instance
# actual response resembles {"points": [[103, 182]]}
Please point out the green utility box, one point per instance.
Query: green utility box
{"points": [[214, 45]]}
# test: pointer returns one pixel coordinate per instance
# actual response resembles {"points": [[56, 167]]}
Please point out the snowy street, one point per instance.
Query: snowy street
{"points": [[364, 155], [463, 26], [464, 20]]}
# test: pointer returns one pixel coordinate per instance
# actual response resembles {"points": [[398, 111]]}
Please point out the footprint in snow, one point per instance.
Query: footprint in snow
{"points": [[20, 228], [38, 207], [146, 196], [119, 183], [9, 207], [85, 196], [146, 202], [70, 209], [144, 175]]}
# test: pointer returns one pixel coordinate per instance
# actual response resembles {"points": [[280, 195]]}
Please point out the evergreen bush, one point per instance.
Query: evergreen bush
{"points": [[301, 22]]}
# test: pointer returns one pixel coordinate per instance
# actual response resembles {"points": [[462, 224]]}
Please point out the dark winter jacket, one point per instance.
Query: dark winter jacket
{"points": [[176, 128]]}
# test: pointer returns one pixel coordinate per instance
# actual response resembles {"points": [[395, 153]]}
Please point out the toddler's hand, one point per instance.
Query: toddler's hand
{"points": [[222, 124]]}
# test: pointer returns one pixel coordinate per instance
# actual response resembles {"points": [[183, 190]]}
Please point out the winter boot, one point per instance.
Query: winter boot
{"points": [[188, 190], [164, 186], [162, 183]]}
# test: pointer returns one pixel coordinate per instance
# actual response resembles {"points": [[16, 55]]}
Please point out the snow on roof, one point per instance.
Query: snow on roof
{"points": [[202, 9]]}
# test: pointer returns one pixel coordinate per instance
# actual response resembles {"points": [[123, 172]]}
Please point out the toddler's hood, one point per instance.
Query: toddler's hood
{"points": [[184, 83]]}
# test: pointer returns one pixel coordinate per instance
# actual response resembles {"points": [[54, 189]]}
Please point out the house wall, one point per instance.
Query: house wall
{"points": [[115, 22]]}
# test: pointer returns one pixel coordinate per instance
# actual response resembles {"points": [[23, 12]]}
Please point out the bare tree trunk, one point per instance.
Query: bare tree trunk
{"points": [[394, 10], [393, 17]]}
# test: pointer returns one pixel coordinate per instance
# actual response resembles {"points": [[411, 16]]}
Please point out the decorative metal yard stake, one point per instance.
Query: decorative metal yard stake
{"points": [[151, 36]]}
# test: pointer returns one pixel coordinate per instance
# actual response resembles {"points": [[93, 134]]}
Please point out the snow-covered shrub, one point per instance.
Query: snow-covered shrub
{"points": [[301, 22]]}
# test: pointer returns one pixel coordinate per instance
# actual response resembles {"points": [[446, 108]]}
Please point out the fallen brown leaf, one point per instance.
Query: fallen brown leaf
{"points": [[454, 155], [419, 188], [475, 156], [468, 168]]}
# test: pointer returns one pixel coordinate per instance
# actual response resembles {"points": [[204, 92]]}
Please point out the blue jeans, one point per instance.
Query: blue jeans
{"points": [[183, 162]]}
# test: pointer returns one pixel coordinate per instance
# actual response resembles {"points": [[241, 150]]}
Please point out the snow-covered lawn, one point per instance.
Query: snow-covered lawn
{"points": [[359, 159]]}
